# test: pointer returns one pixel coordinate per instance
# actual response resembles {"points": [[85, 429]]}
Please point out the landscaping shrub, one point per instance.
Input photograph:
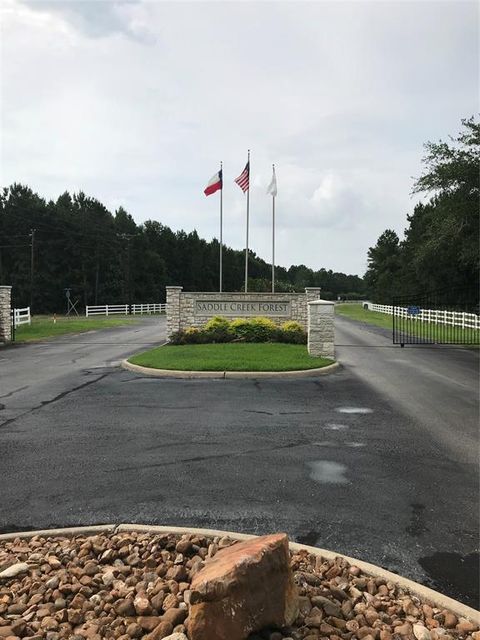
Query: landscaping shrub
{"points": [[192, 335], [217, 329], [254, 330], [293, 333], [260, 329]]}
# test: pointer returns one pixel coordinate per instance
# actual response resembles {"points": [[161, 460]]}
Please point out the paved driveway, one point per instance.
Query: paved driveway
{"points": [[376, 461]]}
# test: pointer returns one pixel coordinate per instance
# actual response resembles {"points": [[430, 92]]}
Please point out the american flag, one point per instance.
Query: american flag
{"points": [[243, 179]]}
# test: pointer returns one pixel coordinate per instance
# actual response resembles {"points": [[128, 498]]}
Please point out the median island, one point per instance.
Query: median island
{"points": [[244, 344]]}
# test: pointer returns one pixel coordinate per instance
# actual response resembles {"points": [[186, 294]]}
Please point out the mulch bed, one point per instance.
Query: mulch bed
{"points": [[137, 585]]}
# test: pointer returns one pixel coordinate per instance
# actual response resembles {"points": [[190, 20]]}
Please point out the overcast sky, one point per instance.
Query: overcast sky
{"points": [[136, 103]]}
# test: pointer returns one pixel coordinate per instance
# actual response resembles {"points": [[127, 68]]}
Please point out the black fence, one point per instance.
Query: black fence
{"points": [[437, 317]]}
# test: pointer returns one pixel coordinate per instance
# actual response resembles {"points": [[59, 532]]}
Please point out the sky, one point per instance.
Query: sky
{"points": [[137, 102]]}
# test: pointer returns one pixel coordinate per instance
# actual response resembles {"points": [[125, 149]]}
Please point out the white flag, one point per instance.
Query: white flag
{"points": [[272, 187]]}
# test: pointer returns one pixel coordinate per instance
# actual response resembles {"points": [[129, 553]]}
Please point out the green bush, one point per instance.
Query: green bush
{"points": [[254, 330], [292, 332], [217, 322], [191, 335], [219, 329]]}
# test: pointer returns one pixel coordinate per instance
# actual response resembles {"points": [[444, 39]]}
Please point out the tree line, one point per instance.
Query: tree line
{"points": [[440, 248], [75, 242]]}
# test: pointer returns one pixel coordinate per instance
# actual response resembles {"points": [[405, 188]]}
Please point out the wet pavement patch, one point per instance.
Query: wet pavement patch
{"points": [[455, 575], [417, 526], [354, 410], [328, 472], [309, 538], [334, 426]]}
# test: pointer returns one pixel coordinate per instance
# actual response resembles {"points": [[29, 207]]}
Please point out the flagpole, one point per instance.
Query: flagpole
{"points": [[221, 232], [273, 238], [248, 215]]}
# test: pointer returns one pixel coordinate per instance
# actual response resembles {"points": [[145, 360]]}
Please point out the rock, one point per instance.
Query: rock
{"points": [[353, 626], [175, 616], [404, 629], [176, 636], [183, 545], [169, 602], [14, 570], [163, 630], [450, 620], [54, 562], [148, 623], [107, 578], [134, 630], [420, 632], [142, 605], [304, 605], [314, 621], [49, 623], [91, 568], [17, 609], [157, 600], [243, 589], [465, 626], [410, 608], [18, 627], [52, 583], [338, 622], [125, 608], [330, 608]]}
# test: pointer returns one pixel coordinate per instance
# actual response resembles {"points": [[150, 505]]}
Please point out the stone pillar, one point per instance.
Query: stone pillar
{"points": [[321, 334], [5, 314], [312, 293], [173, 309]]}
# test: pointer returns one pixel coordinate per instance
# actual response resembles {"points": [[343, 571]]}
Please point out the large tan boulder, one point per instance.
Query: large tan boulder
{"points": [[243, 589]]}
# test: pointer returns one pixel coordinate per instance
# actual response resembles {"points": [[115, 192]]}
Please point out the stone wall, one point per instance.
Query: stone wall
{"points": [[321, 333], [5, 318], [194, 309]]}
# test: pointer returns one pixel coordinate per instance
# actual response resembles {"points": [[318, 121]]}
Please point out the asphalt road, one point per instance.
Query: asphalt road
{"points": [[376, 461]]}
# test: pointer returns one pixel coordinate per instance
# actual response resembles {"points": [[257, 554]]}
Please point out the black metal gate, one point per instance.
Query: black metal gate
{"points": [[437, 317]]}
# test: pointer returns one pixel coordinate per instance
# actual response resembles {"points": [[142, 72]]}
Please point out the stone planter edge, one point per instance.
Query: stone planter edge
{"points": [[426, 594]]}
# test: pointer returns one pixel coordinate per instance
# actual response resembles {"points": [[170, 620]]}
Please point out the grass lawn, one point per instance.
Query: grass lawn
{"points": [[357, 312], [442, 333], [44, 327], [230, 357]]}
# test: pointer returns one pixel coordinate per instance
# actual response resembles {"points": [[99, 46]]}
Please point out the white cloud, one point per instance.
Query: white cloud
{"points": [[137, 102]]}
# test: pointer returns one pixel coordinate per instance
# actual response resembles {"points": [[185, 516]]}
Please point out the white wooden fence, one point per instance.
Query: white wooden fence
{"points": [[452, 318], [21, 316], [122, 309]]}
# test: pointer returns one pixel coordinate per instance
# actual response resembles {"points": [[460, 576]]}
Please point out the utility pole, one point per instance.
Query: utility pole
{"points": [[32, 249]]}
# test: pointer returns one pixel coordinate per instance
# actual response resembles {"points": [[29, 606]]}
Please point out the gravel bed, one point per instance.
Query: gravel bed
{"points": [[137, 585]]}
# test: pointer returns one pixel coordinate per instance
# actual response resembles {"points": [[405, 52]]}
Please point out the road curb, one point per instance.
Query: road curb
{"points": [[222, 375], [64, 531], [427, 595]]}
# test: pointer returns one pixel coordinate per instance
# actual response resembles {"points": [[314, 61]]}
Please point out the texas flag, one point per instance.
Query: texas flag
{"points": [[214, 184]]}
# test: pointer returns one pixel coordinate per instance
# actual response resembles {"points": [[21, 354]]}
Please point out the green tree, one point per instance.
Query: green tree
{"points": [[384, 267]]}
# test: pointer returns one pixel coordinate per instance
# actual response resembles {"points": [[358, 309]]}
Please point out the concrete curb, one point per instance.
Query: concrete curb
{"points": [[427, 595], [222, 375], [65, 531]]}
